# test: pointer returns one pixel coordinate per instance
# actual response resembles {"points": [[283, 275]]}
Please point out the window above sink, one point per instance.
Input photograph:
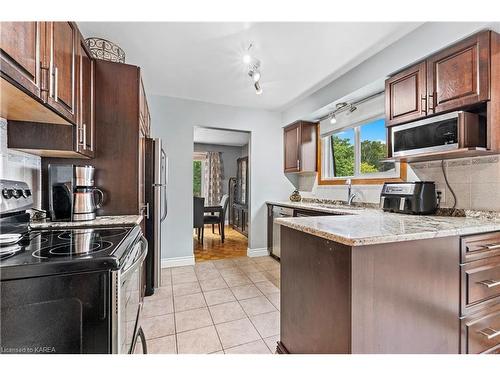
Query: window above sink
{"points": [[354, 146]]}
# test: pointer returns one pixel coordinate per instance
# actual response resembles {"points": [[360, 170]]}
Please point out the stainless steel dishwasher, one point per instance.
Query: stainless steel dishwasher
{"points": [[277, 213]]}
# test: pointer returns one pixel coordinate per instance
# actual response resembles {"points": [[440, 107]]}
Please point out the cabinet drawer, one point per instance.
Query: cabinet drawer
{"points": [[481, 332], [480, 281], [480, 246]]}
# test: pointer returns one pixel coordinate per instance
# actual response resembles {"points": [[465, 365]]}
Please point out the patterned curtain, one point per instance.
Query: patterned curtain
{"points": [[213, 179]]}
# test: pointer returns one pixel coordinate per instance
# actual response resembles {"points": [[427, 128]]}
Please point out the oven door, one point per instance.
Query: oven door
{"points": [[127, 299], [434, 134]]}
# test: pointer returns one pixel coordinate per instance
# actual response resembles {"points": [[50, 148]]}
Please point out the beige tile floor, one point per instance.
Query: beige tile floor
{"points": [[221, 306]]}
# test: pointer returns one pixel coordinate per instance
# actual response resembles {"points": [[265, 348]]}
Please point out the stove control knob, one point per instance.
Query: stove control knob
{"points": [[17, 193], [26, 193], [7, 193]]}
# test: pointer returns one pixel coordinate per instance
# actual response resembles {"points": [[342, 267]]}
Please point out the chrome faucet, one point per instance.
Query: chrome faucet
{"points": [[350, 194]]}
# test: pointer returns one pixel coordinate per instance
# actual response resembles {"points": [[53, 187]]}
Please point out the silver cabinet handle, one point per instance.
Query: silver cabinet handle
{"points": [[80, 135], [490, 333], [492, 246], [423, 104], [84, 136], [55, 83], [146, 208], [489, 283]]}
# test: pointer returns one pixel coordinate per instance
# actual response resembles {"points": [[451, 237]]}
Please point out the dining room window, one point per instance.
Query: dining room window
{"points": [[199, 159]]}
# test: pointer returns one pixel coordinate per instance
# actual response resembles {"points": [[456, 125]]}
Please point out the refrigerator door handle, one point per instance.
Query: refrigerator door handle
{"points": [[164, 185]]}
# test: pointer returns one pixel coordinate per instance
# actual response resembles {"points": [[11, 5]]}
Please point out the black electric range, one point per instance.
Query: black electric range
{"points": [[48, 252], [76, 290]]}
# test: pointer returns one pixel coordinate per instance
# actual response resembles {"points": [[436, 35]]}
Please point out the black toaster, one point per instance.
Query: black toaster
{"points": [[409, 197]]}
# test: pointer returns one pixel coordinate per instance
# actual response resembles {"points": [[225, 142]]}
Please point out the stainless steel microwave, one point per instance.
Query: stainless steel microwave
{"points": [[440, 133]]}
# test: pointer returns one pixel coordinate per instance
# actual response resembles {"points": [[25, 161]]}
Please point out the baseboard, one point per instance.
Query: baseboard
{"points": [[177, 261], [262, 252]]}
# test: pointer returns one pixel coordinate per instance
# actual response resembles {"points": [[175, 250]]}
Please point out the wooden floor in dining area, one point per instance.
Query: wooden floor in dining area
{"points": [[235, 245]]}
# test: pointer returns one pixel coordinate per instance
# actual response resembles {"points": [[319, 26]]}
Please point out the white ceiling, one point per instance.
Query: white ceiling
{"points": [[203, 61], [220, 137]]}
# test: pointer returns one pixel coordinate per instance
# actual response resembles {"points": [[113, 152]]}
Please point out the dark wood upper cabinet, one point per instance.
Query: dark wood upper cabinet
{"points": [[66, 91], [85, 83], [300, 147], [61, 46], [459, 75], [406, 95], [454, 78], [20, 53], [291, 136]]}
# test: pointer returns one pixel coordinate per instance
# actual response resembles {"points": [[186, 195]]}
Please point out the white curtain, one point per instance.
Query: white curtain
{"points": [[213, 179]]}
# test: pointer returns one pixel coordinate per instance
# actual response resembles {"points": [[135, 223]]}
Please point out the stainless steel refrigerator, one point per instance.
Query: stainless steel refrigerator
{"points": [[155, 181]]}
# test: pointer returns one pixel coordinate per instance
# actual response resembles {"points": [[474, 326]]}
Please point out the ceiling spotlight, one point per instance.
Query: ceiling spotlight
{"points": [[247, 58], [333, 119], [352, 108], [341, 105], [254, 74], [258, 89]]}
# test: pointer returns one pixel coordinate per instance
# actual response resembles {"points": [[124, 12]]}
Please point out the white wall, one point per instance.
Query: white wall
{"points": [[173, 120]]}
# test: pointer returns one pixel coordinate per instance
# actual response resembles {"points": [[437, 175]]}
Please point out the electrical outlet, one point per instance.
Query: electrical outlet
{"points": [[441, 193]]}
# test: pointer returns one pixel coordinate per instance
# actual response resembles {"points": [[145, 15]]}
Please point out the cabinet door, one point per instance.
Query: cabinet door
{"points": [[20, 54], [291, 137], [62, 59], [405, 95], [85, 81], [270, 220], [459, 76], [143, 110]]}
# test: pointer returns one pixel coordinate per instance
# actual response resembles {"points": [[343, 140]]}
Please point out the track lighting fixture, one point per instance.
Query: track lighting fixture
{"points": [[253, 69], [333, 119]]}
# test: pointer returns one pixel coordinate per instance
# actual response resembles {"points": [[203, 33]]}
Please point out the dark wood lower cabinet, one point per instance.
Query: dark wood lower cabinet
{"points": [[399, 297]]}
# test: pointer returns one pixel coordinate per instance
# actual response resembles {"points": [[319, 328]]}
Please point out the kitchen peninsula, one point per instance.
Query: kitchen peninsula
{"points": [[365, 281]]}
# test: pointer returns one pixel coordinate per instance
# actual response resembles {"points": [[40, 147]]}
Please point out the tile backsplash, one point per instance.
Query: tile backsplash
{"points": [[16, 165], [475, 181]]}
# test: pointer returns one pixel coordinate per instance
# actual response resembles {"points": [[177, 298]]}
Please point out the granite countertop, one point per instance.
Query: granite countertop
{"points": [[368, 226], [127, 220], [337, 209]]}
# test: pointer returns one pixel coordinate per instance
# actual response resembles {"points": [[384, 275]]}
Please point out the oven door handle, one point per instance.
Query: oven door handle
{"points": [[143, 243]]}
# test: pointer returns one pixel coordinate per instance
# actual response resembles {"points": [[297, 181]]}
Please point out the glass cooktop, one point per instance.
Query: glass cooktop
{"points": [[73, 244]]}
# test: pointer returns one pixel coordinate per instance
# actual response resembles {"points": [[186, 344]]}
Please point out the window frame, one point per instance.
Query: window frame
{"points": [[359, 179]]}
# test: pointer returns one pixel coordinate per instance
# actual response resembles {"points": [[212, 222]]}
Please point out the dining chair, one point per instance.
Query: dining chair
{"points": [[220, 217], [198, 216]]}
